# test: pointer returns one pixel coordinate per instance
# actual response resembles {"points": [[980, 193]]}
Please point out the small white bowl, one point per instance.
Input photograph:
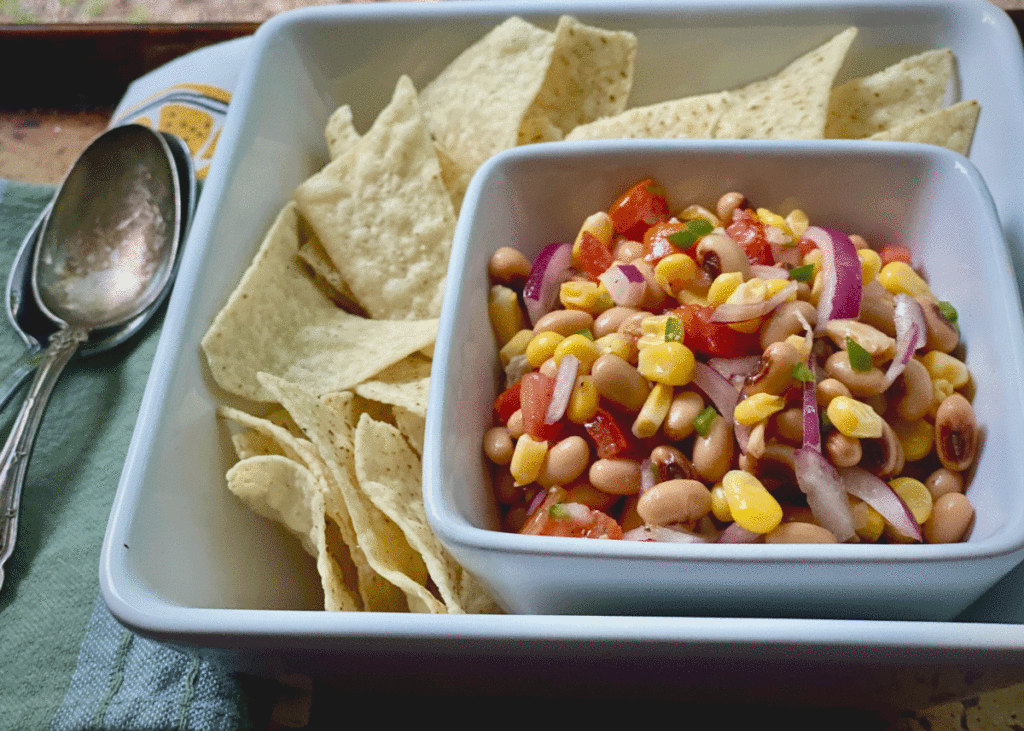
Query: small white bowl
{"points": [[928, 198]]}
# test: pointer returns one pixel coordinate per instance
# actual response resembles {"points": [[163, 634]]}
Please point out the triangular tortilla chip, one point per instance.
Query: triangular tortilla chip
{"points": [[340, 133], [405, 384], [793, 104], [384, 216], [910, 88], [278, 321], [692, 117], [952, 127]]}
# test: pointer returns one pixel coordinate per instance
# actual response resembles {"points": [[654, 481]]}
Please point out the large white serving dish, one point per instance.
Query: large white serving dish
{"points": [[184, 561]]}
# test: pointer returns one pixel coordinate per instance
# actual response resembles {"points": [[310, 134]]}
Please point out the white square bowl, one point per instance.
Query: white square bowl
{"points": [[183, 561], [930, 199]]}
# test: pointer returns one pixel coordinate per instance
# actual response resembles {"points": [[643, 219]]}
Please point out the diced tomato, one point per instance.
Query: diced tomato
{"points": [[594, 256], [714, 339], [609, 438], [533, 400], [894, 252], [507, 402], [806, 246], [584, 522], [657, 245], [748, 231], [639, 208]]}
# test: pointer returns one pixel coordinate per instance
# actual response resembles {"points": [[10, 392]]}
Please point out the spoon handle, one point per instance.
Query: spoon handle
{"points": [[17, 450], [19, 373]]}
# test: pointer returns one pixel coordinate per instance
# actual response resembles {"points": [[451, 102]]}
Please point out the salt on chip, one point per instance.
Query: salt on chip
{"points": [[952, 127], [328, 422], [285, 491], [390, 473], [405, 384], [792, 104], [278, 321], [910, 88], [383, 214], [691, 117]]}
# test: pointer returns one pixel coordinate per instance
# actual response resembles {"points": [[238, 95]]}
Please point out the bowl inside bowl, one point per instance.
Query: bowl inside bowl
{"points": [[926, 198]]}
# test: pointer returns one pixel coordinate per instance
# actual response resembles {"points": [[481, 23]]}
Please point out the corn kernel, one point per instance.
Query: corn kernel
{"points": [[542, 346], [719, 504], [798, 222], [868, 523], [689, 297], [750, 504], [813, 257], [723, 286], [592, 297], [870, 264], [770, 218], [527, 458], [802, 344], [652, 330], [583, 400], [693, 211], [915, 494], [617, 344], [653, 412], [670, 363], [582, 347], [898, 276], [506, 314], [752, 291], [854, 418], [916, 437], [600, 226], [757, 407], [674, 272], [945, 367], [515, 346]]}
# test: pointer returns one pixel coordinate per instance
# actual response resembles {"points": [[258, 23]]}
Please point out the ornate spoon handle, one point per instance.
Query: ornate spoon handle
{"points": [[16, 452]]}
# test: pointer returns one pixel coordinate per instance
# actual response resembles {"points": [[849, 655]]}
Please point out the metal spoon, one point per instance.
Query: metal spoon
{"points": [[105, 257], [34, 327]]}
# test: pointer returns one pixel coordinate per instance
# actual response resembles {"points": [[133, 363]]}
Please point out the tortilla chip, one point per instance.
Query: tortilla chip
{"points": [[328, 422], [384, 216], [910, 88], [692, 117], [588, 77], [952, 127], [285, 491], [412, 427], [793, 104], [340, 133], [278, 321], [405, 384]]}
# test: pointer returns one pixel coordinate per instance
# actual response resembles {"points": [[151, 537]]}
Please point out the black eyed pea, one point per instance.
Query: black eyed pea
{"points": [[942, 335], [670, 463], [845, 451], [515, 425], [717, 253], [712, 454], [728, 204], [498, 445], [625, 250], [943, 481], [564, 322], [883, 456], [674, 501], [685, 407], [799, 532], [859, 242], [509, 266], [861, 383], [632, 325], [951, 517], [619, 382], [609, 320], [564, 462], [956, 433], [776, 372], [788, 319], [877, 308], [916, 385], [828, 389], [616, 476], [789, 425]]}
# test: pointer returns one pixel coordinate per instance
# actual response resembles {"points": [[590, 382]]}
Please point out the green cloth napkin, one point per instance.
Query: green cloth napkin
{"points": [[66, 663]]}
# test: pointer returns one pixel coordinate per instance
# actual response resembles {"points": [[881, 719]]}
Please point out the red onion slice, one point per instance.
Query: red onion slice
{"points": [[625, 283], [840, 275], [736, 533], [661, 534], [648, 478], [763, 271], [550, 269], [811, 424], [565, 379], [716, 387], [748, 311], [875, 492], [910, 334], [826, 494]]}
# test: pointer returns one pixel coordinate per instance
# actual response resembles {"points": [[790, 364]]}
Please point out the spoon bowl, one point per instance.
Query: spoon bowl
{"points": [[104, 260]]}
